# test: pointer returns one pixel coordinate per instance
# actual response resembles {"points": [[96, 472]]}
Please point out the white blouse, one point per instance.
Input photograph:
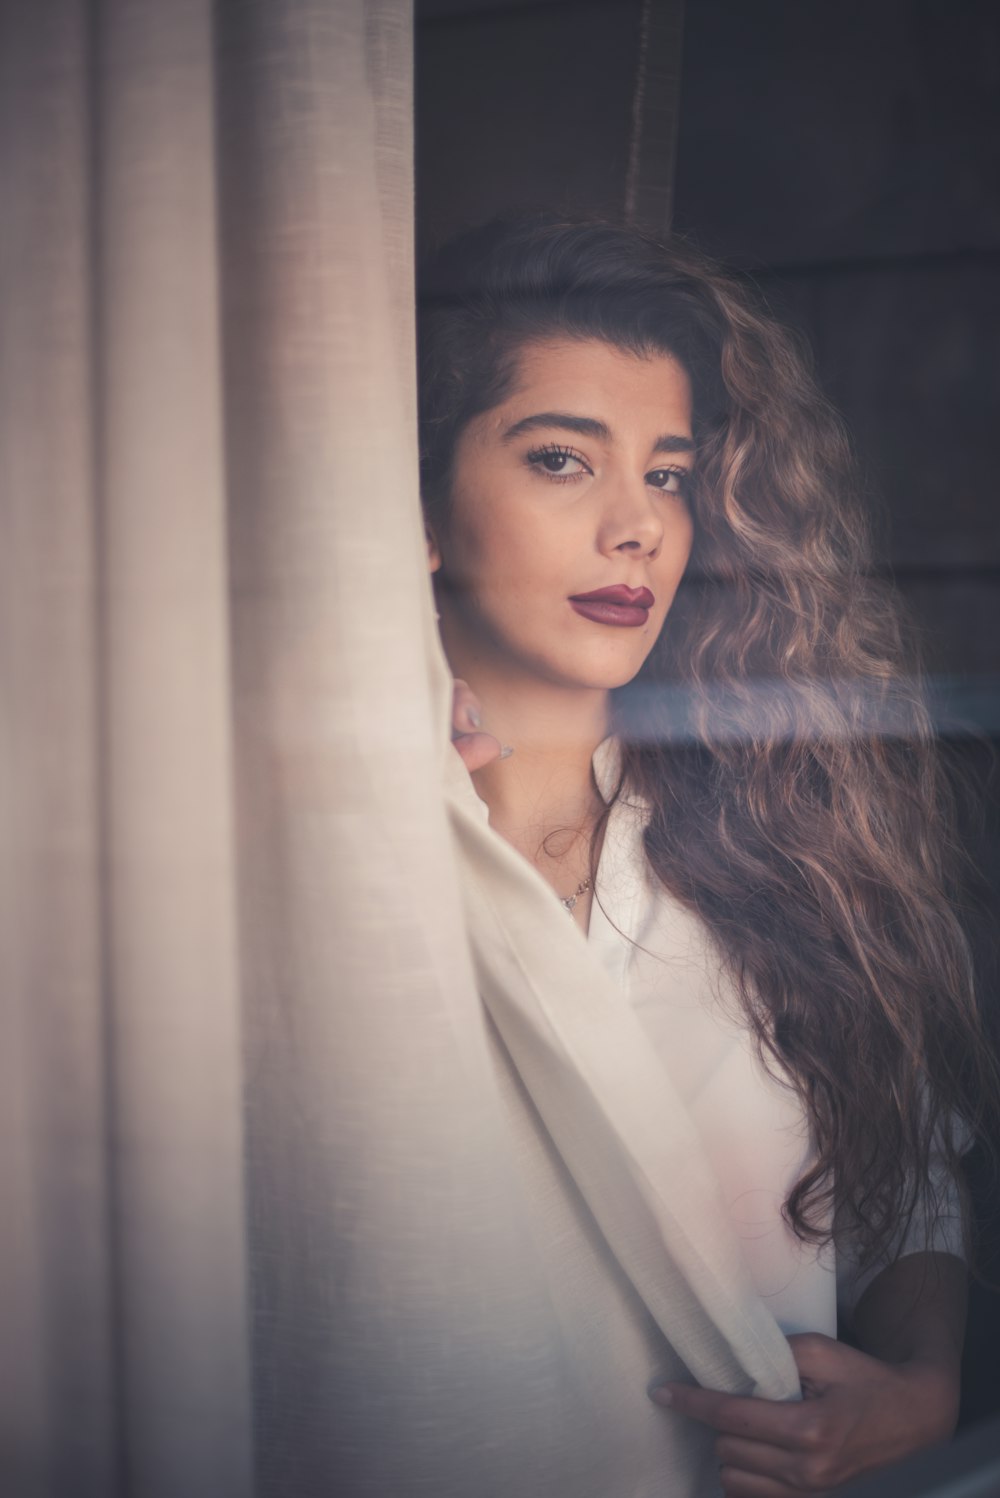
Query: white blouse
{"points": [[654, 1269], [753, 1127]]}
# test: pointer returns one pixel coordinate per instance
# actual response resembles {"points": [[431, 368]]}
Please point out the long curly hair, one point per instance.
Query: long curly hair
{"points": [[777, 729]]}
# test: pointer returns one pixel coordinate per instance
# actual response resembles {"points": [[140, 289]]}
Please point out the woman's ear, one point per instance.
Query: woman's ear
{"points": [[433, 550]]}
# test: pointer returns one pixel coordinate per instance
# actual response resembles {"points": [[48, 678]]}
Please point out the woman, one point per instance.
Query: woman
{"points": [[676, 677]]}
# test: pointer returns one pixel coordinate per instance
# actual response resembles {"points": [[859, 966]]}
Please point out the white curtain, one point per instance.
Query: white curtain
{"points": [[262, 1226]]}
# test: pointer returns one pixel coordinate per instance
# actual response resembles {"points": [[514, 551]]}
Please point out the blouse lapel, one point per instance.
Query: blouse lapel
{"points": [[612, 1111]]}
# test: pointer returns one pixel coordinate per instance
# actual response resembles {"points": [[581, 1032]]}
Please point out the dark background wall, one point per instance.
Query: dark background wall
{"points": [[522, 105], [844, 154], [861, 187]]}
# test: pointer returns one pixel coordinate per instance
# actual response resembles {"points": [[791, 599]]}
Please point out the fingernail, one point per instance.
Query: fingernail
{"points": [[661, 1396], [505, 751], [474, 716]]}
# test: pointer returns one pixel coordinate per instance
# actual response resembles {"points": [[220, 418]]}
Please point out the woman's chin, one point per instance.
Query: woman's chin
{"points": [[588, 677], [615, 670]]}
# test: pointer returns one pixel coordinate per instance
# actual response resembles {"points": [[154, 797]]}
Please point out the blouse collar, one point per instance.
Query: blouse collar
{"points": [[607, 766]]}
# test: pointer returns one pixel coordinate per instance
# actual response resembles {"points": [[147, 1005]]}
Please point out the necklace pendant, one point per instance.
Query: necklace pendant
{"points": [[568, 901]]}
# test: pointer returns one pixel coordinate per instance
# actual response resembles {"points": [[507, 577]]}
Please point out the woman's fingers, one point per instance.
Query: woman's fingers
{"points": [[768, 1420], [858, 1414], [757, 1456], [796, 1471], [466, 713], [739, 1484], [476, 748], [772, 1447]]}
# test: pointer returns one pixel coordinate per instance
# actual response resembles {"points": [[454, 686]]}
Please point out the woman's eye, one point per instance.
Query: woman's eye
{"points": [[558, 462], [670, 480]]}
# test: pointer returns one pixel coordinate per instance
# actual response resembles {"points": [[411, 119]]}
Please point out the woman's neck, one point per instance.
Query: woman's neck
{"points": [[547, 783]]}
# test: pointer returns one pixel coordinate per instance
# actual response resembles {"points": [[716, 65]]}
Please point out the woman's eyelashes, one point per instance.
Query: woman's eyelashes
{"points": [[670, 480], [554, 462]]}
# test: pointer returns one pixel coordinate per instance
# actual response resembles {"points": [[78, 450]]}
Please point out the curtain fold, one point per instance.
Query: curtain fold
{"points": [[118, 834], [56, 1365], [397, 1303], [172, 991]]}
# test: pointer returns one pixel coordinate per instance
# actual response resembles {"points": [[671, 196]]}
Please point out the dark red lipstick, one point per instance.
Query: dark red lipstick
{"points": [[618, 605]]}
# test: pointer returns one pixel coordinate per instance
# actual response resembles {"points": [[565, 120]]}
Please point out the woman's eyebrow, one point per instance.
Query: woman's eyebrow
{"points": [[584, 426], [588, 426]]}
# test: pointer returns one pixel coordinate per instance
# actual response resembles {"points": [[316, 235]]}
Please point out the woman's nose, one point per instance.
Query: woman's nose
{"points": [[632, 520]]}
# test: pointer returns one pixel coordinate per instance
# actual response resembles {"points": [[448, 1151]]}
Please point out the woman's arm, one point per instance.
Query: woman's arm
{"points": [[913, 1315], [860, 1409]]}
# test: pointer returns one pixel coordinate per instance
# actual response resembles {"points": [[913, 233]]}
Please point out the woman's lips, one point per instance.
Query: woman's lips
{"points": [[618, 605]]}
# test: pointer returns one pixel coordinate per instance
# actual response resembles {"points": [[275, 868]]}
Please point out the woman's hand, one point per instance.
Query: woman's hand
{"points": [[476, 748], [856, 1413]]}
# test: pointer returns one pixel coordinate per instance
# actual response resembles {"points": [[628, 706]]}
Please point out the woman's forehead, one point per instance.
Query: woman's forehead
{"points": [[596, 380]]}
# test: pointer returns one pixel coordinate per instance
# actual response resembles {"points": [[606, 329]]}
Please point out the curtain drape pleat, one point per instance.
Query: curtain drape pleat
{"points": [[55, 1291], [125, 1157], [227, 1045], [402, 1333]]}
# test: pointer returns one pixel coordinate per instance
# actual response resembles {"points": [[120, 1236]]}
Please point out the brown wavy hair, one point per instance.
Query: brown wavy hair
{"points": [[777, 730]]}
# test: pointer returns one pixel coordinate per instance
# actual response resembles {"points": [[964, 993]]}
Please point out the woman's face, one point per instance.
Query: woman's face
{"points": [[573, 485]]}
